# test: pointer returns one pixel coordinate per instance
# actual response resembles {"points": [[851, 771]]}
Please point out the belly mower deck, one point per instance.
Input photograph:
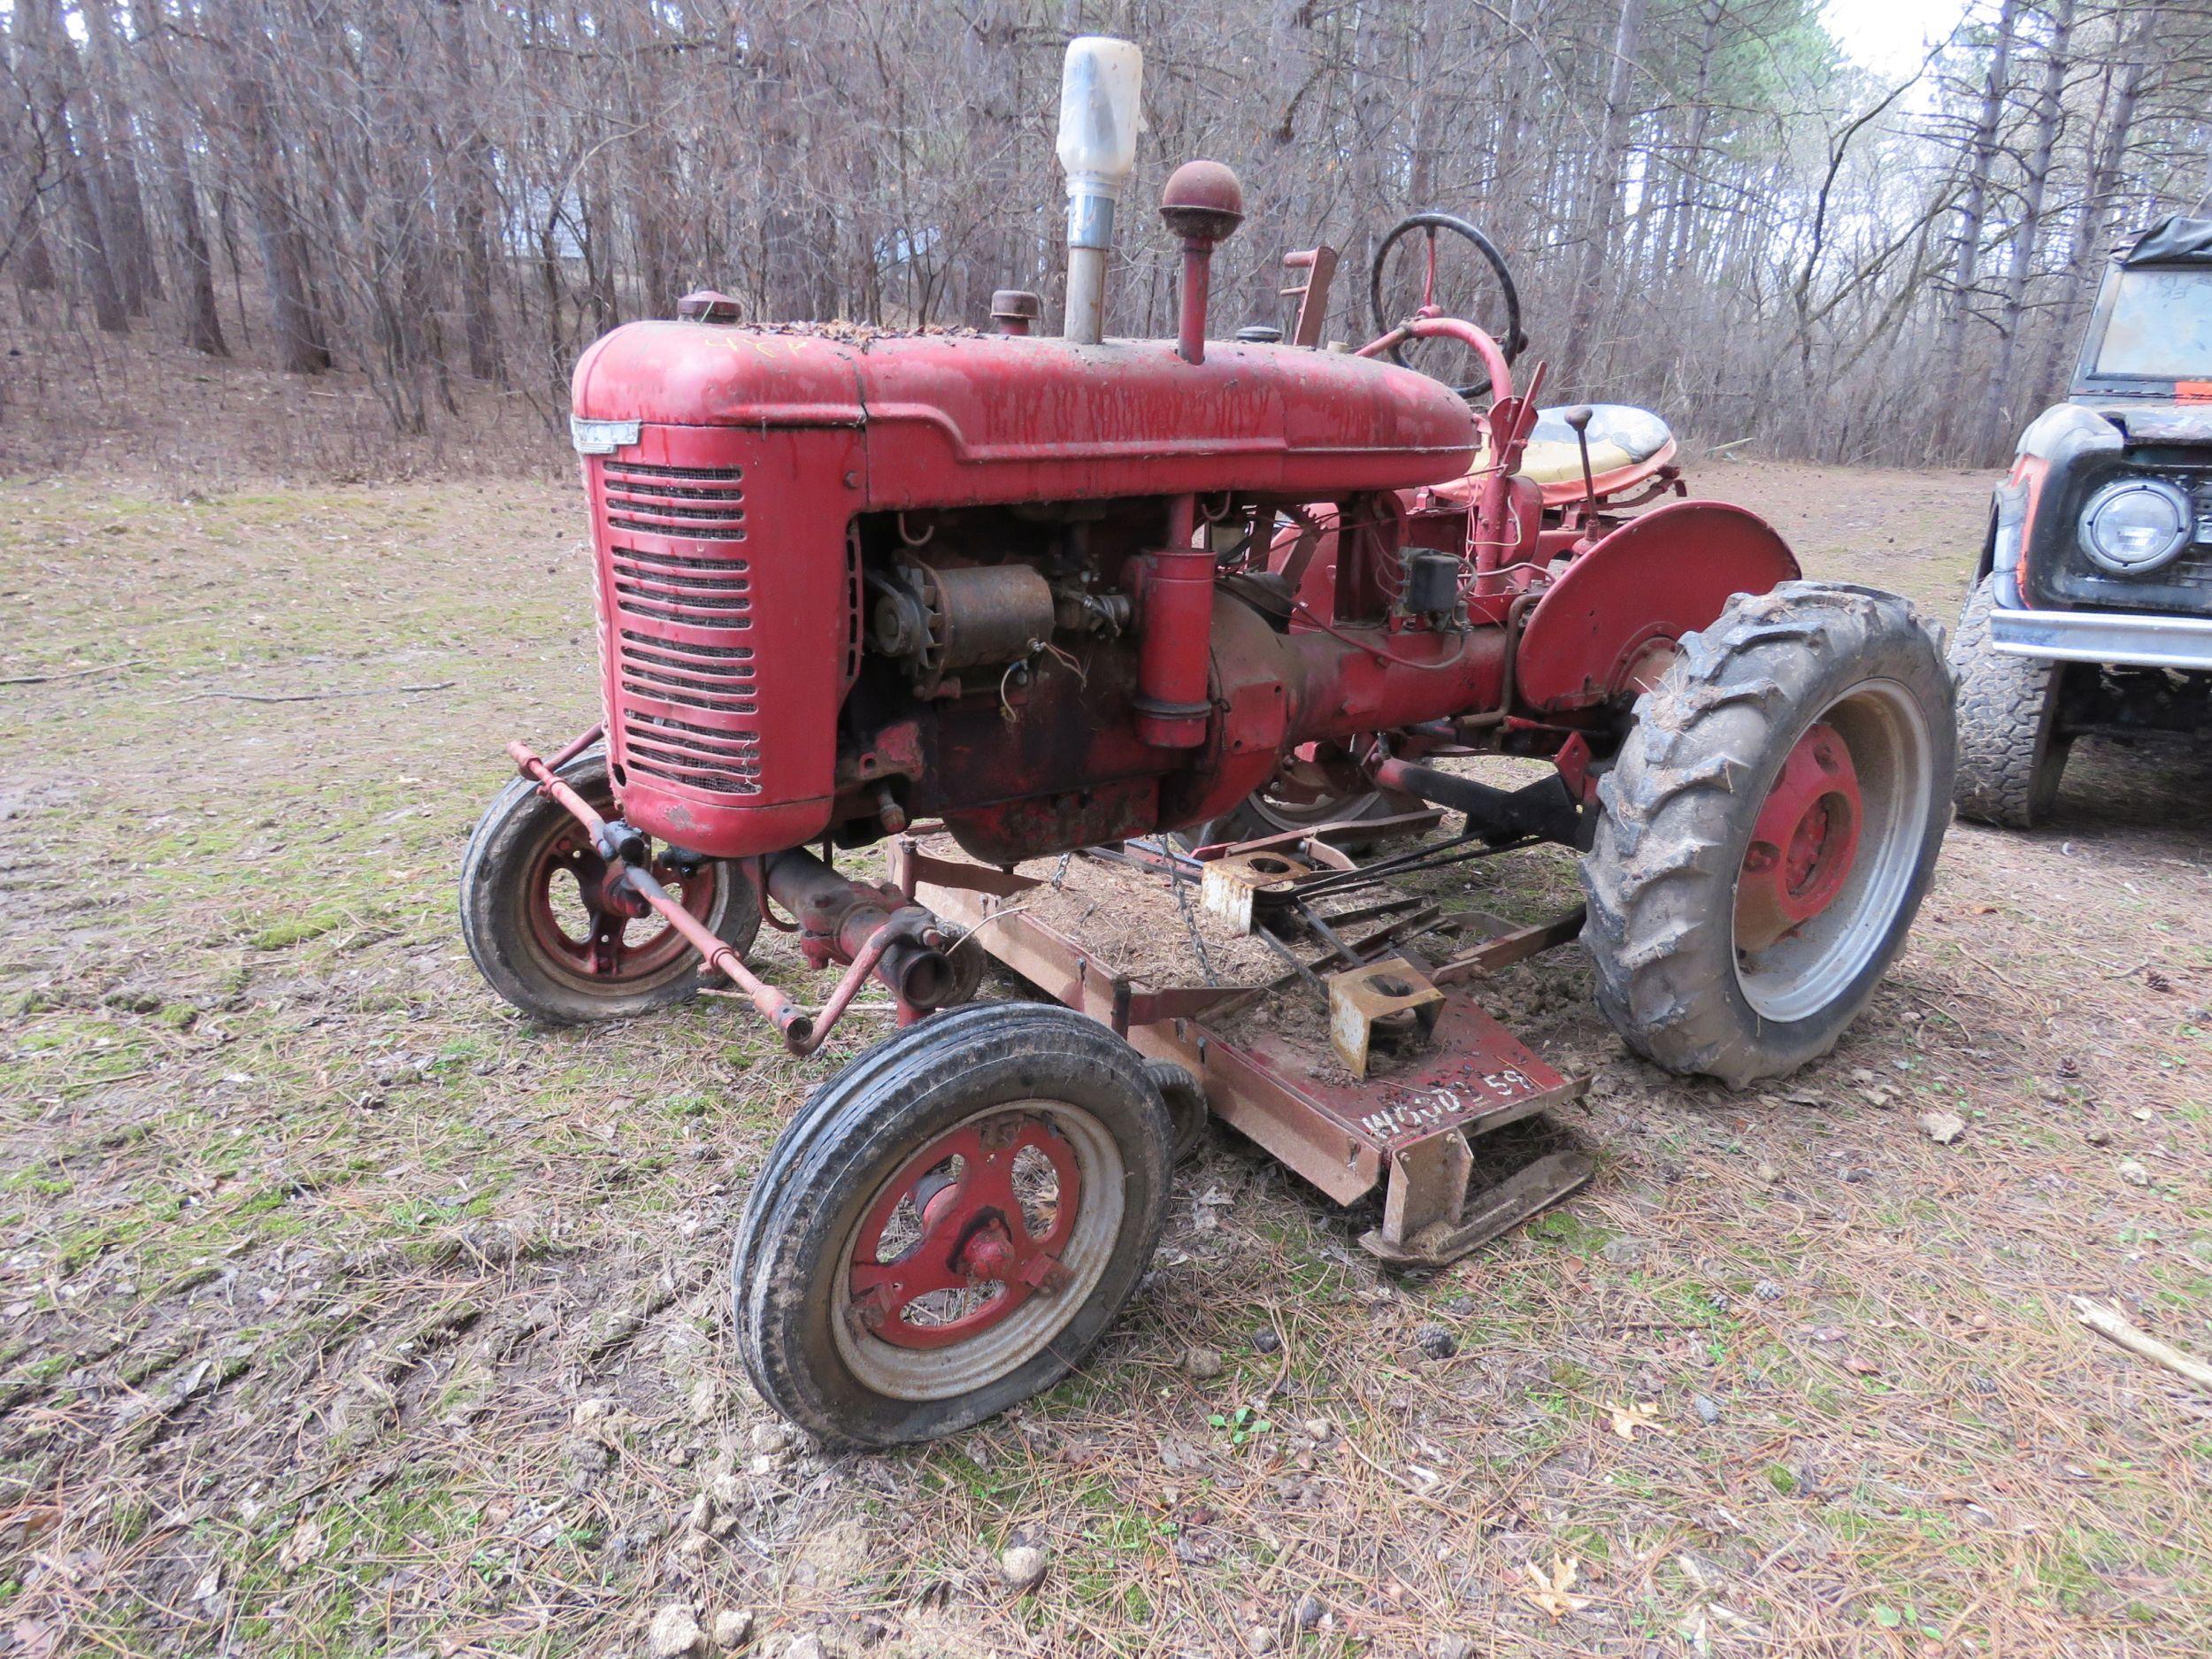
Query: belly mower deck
{"points": [[1361, 1063]]}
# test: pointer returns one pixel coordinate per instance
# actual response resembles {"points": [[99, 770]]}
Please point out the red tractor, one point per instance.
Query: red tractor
{"points": [[1056, 592]]}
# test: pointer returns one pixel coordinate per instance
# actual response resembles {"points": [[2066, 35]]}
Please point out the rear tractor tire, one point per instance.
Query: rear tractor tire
{"points": [[1766, 837], [950, 1223], [545, 932], [2011, 755]]}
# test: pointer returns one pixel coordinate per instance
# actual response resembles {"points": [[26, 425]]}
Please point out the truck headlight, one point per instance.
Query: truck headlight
{"points": [[2137, 524]]}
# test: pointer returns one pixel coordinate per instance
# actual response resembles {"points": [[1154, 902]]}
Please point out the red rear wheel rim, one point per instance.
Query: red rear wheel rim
{"points": [[1804, 843]]}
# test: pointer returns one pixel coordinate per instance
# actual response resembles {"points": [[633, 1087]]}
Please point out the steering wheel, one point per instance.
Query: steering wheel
{"points": [[1510, 342]]}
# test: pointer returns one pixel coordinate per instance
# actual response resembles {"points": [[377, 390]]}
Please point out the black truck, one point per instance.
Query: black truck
{"points": [[2092, 610]]}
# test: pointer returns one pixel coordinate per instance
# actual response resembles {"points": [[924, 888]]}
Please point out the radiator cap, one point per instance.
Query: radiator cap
{"points": [[704, 306]]}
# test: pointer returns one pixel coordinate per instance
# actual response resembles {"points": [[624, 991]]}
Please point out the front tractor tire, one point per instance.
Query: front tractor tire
{"points": [[950, 1223], [2011, 755], [1767, 834], [556, 938]]}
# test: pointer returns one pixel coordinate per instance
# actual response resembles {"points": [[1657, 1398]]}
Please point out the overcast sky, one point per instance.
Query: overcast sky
{"points": [[1891, 36]]}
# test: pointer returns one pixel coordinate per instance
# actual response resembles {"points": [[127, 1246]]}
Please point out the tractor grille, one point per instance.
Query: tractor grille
{"points": [[679, 593], [677, 751], [712, 593], [705, 502]]}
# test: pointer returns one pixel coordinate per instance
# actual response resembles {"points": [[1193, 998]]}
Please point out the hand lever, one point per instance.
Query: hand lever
{"points": [[1579, 417]]}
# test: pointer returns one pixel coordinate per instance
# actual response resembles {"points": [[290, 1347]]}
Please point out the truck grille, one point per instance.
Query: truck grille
{"points": [[677, 751], [715, 593]]}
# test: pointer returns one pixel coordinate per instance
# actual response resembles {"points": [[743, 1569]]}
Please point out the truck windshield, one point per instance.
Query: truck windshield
{"points": [[2160, 324]]}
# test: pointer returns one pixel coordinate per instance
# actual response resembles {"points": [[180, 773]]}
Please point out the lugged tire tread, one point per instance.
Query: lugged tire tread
{"points": [[1669, 807], [2005, 713]]}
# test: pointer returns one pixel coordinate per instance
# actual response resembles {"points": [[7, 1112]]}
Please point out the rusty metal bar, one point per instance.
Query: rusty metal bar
{"points": [[1506, 948], [577, 745], [803, 1032]]}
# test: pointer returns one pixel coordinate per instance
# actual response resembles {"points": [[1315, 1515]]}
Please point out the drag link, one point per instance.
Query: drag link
{"points": [[797, 1026], [803, 1032]]}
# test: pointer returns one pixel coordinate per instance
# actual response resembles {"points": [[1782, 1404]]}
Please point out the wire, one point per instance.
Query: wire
{"points": [[1377, 652]]}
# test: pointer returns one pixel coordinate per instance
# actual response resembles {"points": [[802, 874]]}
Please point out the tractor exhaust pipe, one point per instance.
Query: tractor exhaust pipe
{"points": [[1099, 122]]}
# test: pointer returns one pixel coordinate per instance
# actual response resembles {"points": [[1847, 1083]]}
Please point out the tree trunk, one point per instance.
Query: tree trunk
{"points": [[57, 70], [305, 347], [192, 269], [1605, 186], [2001, 405], [1973, 215]]}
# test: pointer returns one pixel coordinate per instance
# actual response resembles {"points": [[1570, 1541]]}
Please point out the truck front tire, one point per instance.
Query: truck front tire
{"points": [[2011, 755]]}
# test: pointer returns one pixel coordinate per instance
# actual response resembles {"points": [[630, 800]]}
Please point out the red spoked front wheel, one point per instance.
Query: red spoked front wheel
{"points": [[951, 1223], [553, 930]]}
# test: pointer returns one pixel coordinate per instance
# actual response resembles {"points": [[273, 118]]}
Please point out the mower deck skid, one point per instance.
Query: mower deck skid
{"points": [[1295, 1088]]}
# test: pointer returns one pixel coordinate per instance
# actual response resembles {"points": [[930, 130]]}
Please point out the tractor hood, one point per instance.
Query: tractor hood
{"points": [[949, 419]]}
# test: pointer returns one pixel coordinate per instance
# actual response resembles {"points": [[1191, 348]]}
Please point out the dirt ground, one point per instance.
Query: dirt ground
{"points": [[341, 1312]]}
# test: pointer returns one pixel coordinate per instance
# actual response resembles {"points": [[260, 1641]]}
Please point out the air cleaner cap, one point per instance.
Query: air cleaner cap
{"points": [[1100, 81], [1203, 202]]}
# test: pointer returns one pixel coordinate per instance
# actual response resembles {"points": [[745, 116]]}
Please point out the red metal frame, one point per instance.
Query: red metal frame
{"points": [[728, 676]]}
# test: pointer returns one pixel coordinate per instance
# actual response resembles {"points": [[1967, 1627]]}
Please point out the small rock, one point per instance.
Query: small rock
{"points": [[701, 1516], [1200, 1364], [1767, 1290], [1309, 1611], [1943, 1127], [1453, 1647], [1259, 1638], [1318, 1428], [2134, 1174], [728, 1493], [732, 1627], [674, 1633], [590, 1411], [2097, 1135], [773, 1440], [706, 1399], [1266, 1339], [806, 1646], [1436, 1341], [1708, 1410], [1625, 1252], [1767, 1174], [1022, 1567]]}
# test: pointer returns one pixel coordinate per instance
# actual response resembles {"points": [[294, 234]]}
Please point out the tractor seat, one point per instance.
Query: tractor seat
{"points": [[1627, 445]]}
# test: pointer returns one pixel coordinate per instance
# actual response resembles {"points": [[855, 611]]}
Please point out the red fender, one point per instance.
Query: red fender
{"points": [[1663, 575]]}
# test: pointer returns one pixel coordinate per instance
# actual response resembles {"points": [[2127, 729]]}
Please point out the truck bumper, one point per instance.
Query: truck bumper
{"points": [[2104, 636]]}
